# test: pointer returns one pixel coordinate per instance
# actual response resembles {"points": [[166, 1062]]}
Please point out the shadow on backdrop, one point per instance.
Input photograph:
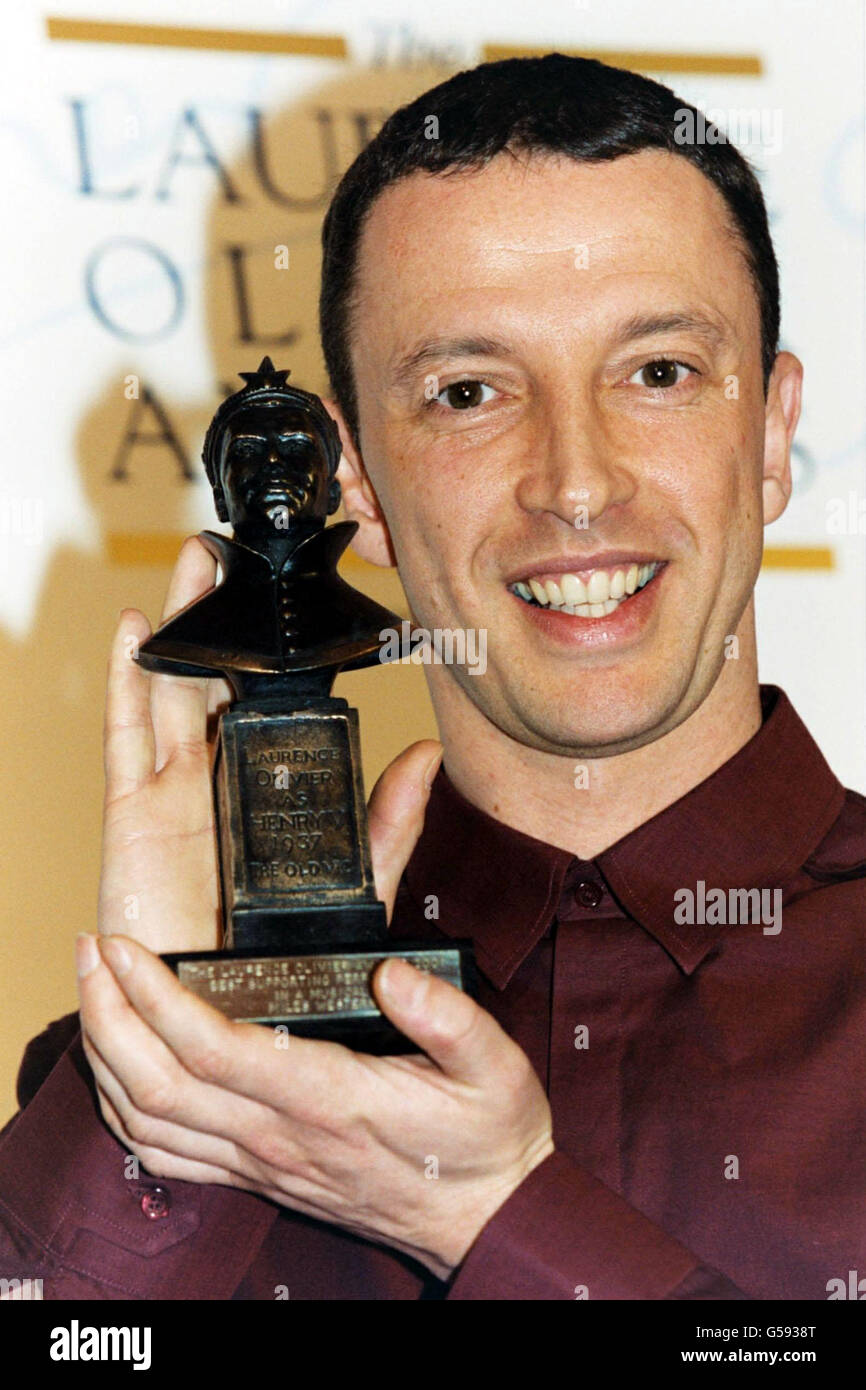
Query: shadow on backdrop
{"points": [[54, 680]]}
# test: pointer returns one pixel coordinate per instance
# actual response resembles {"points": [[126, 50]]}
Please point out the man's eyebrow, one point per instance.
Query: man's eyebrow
{"points": [[650, 325], [435, 349], [638, 326]]}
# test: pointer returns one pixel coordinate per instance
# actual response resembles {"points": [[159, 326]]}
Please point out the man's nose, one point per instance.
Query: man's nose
{"points": [[573, 467]]}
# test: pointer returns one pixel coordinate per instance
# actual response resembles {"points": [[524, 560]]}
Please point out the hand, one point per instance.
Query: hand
{"points": [[416, 1153], [160, 867], [159, 881], [413, 1151]]}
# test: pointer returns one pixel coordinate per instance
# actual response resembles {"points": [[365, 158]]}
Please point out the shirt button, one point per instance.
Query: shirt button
{"points": [[588, 893], [156, 1203]]}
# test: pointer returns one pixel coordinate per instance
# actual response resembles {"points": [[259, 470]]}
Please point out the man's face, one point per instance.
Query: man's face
{"points": [[611, 417], [272, 467]]}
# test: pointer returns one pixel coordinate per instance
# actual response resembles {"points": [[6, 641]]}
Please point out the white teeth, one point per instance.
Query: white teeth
{"points": [[573, 589], [554, 593], [598, 588], [598, 597]]}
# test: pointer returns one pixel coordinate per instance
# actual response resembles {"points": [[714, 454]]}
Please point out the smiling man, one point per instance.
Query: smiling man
{"points": [[579, 363], [551, 331]]}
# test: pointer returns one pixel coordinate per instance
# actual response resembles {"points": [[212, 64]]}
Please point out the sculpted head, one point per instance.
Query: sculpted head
{"points": [[271, 455]]}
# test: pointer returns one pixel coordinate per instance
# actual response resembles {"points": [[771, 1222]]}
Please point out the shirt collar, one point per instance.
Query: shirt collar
{"points": [[750, 824]]}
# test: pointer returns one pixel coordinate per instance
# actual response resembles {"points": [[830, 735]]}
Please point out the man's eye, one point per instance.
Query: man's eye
{"points": [[661, 373], [464, 395]]}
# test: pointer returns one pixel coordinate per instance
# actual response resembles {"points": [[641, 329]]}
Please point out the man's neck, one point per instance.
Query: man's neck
{"points": [[537, 793]]}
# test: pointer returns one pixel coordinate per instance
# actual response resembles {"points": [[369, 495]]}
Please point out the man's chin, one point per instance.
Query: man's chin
{"points": [[600, 724]]}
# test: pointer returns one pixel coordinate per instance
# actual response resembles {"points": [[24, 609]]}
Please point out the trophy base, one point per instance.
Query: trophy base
{"points": [[264, 928], [324, 995]]}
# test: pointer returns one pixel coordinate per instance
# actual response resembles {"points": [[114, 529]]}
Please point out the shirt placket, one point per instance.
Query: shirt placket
{"points": [[586, 1023]]}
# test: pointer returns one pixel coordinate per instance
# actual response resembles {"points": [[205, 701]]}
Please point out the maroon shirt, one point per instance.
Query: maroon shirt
{"points": [[707, 1081]]}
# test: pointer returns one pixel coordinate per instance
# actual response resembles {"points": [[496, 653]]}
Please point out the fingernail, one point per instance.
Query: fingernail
{"points": [[432, 769], [116, 956], [86, 954], [401, 982]]}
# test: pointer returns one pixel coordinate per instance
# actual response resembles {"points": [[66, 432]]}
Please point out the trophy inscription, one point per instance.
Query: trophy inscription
{"points": [[303, 927], [307, 988]]}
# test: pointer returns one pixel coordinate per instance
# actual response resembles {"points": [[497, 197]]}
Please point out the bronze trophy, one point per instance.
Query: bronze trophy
{"points": [[303, 928]]}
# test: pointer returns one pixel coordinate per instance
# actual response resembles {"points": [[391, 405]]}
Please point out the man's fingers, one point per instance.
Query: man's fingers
{"points": [[238, 1058], [150, 1136], [463, 1039], [179, 704], [178, 707], [128, 745], [396, 814], [193, 575], [188, 1127], [219, 694], [159, 1163], [150, 1074]]}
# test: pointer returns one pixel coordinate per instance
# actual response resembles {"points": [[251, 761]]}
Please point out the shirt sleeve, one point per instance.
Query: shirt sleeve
{"points": [[564, 1234], [77, 1212]]}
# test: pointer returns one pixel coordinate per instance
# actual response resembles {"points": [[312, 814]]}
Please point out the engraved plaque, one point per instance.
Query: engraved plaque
{"points": [[298, 828], [292, 989], [298, 838]]}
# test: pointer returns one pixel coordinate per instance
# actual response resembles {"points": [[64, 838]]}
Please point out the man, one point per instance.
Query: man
{"points": [[552, 335]]}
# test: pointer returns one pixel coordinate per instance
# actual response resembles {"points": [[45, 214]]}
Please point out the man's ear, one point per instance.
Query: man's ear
{"points": [[372, 539], [784, 392]]}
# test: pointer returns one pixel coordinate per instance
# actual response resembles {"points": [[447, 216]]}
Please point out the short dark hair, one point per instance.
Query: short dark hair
{"points": [[555, 103]]}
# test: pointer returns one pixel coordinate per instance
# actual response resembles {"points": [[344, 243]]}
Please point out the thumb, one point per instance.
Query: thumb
{"points": [[455, 1032], [396, 814]]}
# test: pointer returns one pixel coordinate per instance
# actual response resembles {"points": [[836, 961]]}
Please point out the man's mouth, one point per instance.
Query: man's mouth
{"points": [[592, 593]]}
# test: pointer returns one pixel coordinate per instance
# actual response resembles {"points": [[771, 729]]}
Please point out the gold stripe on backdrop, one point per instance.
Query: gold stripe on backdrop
{"points": [[640, 60], [175, 36], [144, 548], [162, 548], [799, 557], [334, 46]]}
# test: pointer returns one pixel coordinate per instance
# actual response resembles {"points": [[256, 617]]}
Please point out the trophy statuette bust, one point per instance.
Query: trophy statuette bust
{"points": [[304, 929]]}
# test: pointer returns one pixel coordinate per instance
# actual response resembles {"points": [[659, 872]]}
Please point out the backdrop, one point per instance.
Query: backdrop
{"points": [[166, 176]]}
